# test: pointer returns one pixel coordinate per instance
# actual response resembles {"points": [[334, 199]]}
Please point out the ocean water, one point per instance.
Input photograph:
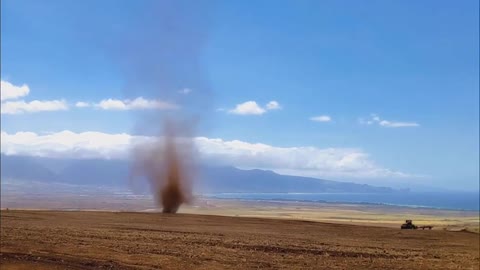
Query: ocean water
{"points": [[439, 200]]}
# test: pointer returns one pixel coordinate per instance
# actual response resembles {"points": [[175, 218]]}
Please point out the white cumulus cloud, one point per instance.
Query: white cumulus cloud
{"points": [[375, 119], [386, 123], [10, 91], [15, 106], [139, 103], [321, 118], [82, 104], [185, 91], [327, 163], [249, 107], [273, 105], [19, 107], [252, 108]]}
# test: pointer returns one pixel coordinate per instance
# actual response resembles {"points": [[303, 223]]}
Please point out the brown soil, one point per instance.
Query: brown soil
{"points": [[109, 240]]}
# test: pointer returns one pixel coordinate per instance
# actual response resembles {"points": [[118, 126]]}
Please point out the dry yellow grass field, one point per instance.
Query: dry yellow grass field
{"points": [[101, 232]]}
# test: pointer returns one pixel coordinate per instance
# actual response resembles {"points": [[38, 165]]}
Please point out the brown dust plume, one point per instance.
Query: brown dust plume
{"points": [[160, 52], [168, 164]]}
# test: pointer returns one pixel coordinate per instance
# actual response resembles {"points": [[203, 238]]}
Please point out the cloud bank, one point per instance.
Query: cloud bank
{"points": [[330, 163]]}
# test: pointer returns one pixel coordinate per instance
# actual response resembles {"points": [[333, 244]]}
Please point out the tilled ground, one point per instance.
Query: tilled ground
{"points": [[109, 240]]}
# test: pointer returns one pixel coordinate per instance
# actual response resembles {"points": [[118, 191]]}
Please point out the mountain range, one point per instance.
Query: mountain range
{"points": [[211, 179]]}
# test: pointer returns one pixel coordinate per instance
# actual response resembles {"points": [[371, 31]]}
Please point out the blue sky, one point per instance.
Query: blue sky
{"points": [[399, 80]]}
